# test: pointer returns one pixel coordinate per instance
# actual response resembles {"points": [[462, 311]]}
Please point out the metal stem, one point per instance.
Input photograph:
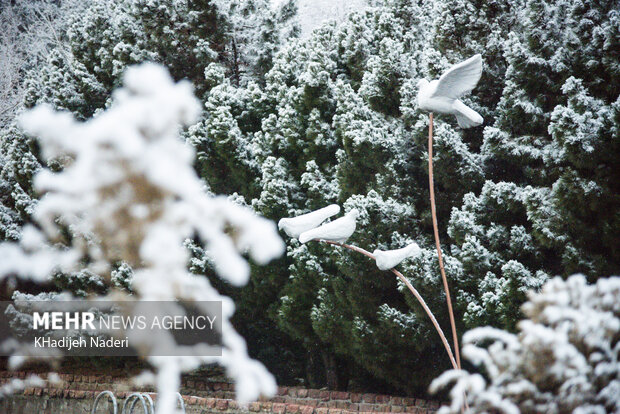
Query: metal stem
{"points": [[437, 245], [415, 293]]}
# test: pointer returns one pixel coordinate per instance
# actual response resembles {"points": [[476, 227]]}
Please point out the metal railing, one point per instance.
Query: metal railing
{"points": [[131, 402], [112, 398]]}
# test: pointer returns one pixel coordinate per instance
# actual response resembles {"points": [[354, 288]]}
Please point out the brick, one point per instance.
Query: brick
{"points": [[221, 404], [266, 406], [302, 393], [282, 390], [382, 399], [194, 400], [381, 408], [307, 409], [339, 395], [324, 395], [279, 399], [292, 408], [311, 403], [356, 398], [369, 398], [321, 410], [409, 401], [353, 407], [292, 392], [414, 410], [396, 400], [365, 407], [397, 409], [312, 393], [254, 407], [278, 408], [420, 403], [335, 411]]}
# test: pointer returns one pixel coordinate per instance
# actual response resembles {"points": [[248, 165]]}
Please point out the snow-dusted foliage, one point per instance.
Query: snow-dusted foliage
{"points": [[127, 192], [547, 206], [337, 122], [332, 119], [30, 30], [565, 357]]}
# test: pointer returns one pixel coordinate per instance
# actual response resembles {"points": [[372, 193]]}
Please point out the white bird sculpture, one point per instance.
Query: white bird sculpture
{"points": [[387, 259], [442, 95], [294, 226], [338, 230]]}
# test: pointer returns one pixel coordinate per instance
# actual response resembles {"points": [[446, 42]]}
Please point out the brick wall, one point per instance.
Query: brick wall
{"points": [[209, 396]]}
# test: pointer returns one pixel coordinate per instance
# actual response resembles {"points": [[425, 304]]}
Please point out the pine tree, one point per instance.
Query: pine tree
{"points": [[196, 41], [337, 122], [549, 207]]}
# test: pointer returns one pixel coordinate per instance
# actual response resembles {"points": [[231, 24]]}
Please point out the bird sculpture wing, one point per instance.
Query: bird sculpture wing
{"points": [[338, 230], [460, 78], [294, 226]]}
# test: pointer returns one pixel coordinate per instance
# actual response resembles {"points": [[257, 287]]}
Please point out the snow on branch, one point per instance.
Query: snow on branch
{"points": [[565, 358], [128, 193]]}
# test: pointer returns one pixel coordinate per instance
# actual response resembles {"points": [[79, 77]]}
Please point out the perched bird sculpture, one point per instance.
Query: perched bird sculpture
{"points": [[294, 226], [387, 259], [338, 230], [442, 95]]}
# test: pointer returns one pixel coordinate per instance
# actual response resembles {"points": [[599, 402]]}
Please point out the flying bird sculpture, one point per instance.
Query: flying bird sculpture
{"points": [[338, 230], [442, 95], [294, 226], [388, 259]]}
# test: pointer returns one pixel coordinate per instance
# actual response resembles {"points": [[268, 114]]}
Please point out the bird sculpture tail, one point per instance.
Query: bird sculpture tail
{"points": [[465, 116], [306, 236]]}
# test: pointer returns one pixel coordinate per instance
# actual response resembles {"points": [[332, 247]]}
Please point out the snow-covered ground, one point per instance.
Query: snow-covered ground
{"points": [[314, 12]]}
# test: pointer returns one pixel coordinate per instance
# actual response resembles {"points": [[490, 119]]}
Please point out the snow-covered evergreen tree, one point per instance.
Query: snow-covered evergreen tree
{"points": [[548, 207], [97, 42], [336, 121], [108, 205], [333, 118]]}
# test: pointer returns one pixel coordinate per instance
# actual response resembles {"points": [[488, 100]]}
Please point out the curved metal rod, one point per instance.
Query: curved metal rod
{"points": [[413, 290], [112, 398], [135, 396], [431, 187], [150, 401], [180, 398]]}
